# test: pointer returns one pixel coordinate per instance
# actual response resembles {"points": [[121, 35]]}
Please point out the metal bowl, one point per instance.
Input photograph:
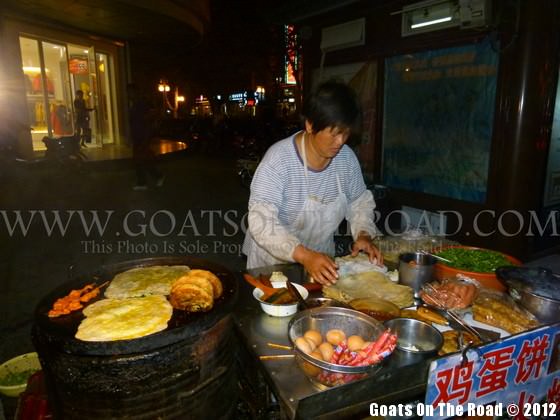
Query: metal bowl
{"points": [[323, 319], [321, 302], [416, 340]]}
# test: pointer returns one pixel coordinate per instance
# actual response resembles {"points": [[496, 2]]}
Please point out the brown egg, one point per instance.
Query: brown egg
{"points": [[326, 350], [366, 343], [312, 344], [314, 335], [335, 336], [355, 342], [316, 354], [303, 345]]}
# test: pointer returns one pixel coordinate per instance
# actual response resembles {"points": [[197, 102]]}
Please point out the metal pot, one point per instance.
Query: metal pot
{"points": [[545, 309], [535, 289]]}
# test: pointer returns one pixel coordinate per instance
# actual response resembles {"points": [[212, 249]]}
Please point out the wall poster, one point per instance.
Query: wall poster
{"points": [[438, 118]]}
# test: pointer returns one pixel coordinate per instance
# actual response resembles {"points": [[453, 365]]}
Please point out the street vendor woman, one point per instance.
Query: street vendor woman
{"points": [[306, 185]]}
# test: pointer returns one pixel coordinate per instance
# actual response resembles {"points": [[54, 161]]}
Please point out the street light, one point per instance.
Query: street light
{"points": [[163, 87]]}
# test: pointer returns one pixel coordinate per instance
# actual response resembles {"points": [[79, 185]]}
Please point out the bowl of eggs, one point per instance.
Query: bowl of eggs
{"points": [[334, 345]]}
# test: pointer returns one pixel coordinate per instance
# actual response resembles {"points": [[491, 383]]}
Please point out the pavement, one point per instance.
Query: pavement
{"points": [[198, 211]]}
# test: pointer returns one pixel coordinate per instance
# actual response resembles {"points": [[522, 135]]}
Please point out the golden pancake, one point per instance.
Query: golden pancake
{"points": [[124, 319], [191, 298], [216, 283], [201, 282], [145, 281]]}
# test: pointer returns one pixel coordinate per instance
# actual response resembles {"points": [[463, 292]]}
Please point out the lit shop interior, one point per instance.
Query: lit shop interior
{"points": [[53, 72]]}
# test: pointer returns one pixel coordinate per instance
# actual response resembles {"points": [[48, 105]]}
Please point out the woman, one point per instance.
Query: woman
{"points": [[306, 185]]}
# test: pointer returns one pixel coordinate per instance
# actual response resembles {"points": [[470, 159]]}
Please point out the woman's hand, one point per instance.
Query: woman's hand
{"points": [[364, 243], [320, 267]]}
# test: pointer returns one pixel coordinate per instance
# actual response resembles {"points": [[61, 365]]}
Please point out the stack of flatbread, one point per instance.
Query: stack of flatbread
{"points": [[196, 291], [370, 284]]}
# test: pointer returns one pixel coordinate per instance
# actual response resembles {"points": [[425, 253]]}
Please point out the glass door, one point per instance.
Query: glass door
{"points": [[81, 66], [105, 112], [58, 89]]}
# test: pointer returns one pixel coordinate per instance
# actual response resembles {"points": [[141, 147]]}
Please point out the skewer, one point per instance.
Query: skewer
{"points": [[435, 256], [276, 356], [278, 346]]}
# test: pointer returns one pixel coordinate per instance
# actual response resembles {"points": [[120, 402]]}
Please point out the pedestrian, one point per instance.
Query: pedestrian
{"points": [[81, 111], [141, 132], [306, 185]]}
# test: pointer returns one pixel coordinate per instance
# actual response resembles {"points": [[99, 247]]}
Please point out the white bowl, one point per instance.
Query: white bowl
{"points": [[284, 309]]}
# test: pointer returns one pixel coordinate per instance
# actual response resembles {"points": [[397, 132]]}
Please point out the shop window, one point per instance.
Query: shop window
{"points": [[438, 120], [58, 89], [552, 183], [34, 88]]}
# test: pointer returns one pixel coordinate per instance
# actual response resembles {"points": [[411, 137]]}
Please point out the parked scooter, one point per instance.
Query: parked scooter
{"points": [[65, 150]]}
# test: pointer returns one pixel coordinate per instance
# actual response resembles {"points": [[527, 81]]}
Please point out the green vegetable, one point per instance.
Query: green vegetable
{"points": [[17, 378], [477, 260]]}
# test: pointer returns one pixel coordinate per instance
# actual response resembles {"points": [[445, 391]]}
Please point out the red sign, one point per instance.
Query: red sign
{"points": [[78, 66]]}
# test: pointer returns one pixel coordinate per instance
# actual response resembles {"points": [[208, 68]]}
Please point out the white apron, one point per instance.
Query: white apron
{"points": [[314, 226]]}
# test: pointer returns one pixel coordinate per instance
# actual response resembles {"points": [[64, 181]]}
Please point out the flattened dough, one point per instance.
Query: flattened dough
{"points": [[124, 319], [145, 281]]}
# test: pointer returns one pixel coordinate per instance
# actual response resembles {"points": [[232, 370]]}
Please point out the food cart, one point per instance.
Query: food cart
{"points": [[525, 365]]}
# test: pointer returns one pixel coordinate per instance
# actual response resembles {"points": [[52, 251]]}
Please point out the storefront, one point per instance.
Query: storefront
{"points": [[45, 69]]}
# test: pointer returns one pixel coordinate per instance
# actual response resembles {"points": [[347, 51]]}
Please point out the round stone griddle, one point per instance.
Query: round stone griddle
{"points": [[182, 326]]}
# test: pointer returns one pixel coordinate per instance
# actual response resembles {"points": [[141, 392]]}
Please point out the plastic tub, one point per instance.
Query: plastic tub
{"points": [[28, 363], [443, 271]]}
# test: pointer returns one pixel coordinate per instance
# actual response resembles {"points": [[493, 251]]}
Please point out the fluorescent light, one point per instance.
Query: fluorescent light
{"points": [[431, 22]]}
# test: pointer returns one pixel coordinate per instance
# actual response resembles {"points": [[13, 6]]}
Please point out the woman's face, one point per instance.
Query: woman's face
{"points": [[328, 142]]}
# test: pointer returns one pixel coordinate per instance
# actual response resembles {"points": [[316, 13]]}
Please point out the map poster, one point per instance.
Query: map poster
{"points": [[438, 119]]}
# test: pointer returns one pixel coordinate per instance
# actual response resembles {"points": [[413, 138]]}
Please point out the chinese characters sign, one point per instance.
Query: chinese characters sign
{"points": [[523, 369], [438, 119]]}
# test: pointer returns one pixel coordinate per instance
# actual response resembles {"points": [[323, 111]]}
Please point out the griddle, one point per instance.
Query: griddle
{"points": [[61, 330]]}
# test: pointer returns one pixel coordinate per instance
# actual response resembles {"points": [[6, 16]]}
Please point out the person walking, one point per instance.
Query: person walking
{"points": [[81, 111], [141, 131]]}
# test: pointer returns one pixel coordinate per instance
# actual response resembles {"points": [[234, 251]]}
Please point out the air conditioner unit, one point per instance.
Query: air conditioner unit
{"points": [[474, 13], [345, 35], [433, 15]]}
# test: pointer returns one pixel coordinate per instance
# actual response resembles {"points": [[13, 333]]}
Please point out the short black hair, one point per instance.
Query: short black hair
{"points": [[332, 104]]}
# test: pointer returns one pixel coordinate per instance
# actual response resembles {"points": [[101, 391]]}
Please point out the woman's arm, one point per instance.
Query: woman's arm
{"points": [[361, 218]]}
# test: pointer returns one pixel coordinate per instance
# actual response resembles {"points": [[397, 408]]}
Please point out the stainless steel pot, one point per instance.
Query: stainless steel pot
{"points": [[545, 309], [534, 288]]}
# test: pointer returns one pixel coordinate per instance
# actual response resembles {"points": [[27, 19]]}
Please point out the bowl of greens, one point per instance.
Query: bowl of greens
{"points": [[15, 372], [476, 263]]}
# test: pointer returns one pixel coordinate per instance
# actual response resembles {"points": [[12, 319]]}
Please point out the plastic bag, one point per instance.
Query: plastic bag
{"points": [[450, 294], [499, 310]]}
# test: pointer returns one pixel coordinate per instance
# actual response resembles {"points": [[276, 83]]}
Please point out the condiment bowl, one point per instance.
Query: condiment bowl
{"points": [[22, 367], [280, 309]]}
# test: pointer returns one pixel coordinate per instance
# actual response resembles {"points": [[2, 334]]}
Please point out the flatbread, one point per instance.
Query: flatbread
{"points": [[370, 284], [145, 281], [124, 319]]}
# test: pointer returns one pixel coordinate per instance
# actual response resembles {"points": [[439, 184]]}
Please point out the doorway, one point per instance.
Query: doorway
{"points": [[53, 73]]}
